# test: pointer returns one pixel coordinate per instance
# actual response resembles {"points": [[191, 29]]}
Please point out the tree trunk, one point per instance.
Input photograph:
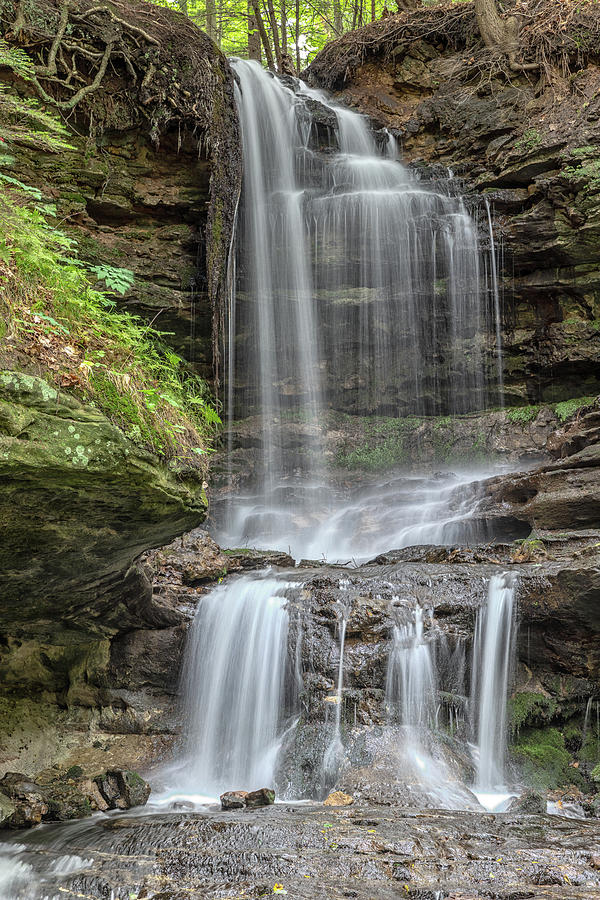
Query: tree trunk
{"points": [[211, 20], [275, 33], [337, 17], [253, 35], [263, 35], [501, 34], [298, 36], [284, 42]]}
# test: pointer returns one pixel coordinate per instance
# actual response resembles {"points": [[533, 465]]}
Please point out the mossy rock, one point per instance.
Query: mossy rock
{"points": [[543, 759], [528, 708], [79, 503]]}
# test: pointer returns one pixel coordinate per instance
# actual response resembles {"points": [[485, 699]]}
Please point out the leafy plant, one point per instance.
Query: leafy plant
{"points": [[568, 408], [23, 121], [119, 280], [522, 415], [76, 332], [529, 141], [588, 172]]}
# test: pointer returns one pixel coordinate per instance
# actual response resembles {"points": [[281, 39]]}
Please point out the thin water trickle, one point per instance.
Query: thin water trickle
{"points": [[335, 750], [424, 764], [497, 306]]}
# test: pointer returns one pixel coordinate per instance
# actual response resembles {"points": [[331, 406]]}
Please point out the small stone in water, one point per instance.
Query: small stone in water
{"points": [[233, 799], [339, 798], [262, 797]]}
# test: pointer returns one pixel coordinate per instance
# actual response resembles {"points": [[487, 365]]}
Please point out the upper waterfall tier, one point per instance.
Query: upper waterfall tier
{"points": [[359, 287]]}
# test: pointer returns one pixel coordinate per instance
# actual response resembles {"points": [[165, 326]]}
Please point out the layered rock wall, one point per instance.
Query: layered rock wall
{"points": [[527, 144]]}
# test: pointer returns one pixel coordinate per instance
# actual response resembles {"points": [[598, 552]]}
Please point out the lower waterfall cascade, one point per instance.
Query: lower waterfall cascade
{"points": [[492, 659], [234, 684]]}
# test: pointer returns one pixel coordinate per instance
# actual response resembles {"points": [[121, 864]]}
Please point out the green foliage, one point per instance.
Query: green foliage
{"points": [[113, 357], [588, 150], [75, 331], [587, 172], [385, 445], [317, 21], [16, 59], [522, 415], [544, 759], [569, 408], [119, 280], [529, 550], [23, 121], [530, 140], [529, 708]]}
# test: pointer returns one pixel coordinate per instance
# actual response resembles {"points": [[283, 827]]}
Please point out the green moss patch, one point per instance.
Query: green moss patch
{"points": [[544, 759], [529, 708]]}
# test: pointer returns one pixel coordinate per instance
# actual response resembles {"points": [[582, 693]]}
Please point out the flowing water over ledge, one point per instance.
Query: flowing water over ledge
{"points": [[317, 521]]}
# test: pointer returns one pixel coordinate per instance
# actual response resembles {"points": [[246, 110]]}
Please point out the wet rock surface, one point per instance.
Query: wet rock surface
{"points": [[327, 853], [60, 796]]}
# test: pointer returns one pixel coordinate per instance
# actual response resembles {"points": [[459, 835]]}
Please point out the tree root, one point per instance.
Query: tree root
{"points": [[48, 72], [128, 26], [83, 91]]}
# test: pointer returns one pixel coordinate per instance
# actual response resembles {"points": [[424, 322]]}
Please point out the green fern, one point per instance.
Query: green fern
{"points": [[16, 59], [23, 121]]}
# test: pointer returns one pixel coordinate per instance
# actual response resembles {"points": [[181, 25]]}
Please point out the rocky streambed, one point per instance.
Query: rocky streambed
{"points": [[311, 852]]}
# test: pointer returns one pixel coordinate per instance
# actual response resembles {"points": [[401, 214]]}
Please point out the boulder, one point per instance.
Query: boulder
{"points": [[338, 798], [29, 805], [531, 803], [105, 499], [233, 799], [7, 808], [122, 789], [262, 797], [62, 796], [191, 560]]}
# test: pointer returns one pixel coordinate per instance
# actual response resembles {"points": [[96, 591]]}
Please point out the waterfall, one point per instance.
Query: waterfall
{"points": [[424, 764], [358, 289], [492, 659], [497, 310], [335, 750], [234, 682], [275, 308], [411, 683]]}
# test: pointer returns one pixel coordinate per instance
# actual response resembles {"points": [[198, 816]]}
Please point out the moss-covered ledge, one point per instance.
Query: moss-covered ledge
{"points": [[79, 503]]}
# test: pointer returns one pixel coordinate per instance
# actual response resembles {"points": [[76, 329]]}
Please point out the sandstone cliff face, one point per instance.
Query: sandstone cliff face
{"points": [[526, 144], [153, 180], [88, 655], [79, 503]]}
